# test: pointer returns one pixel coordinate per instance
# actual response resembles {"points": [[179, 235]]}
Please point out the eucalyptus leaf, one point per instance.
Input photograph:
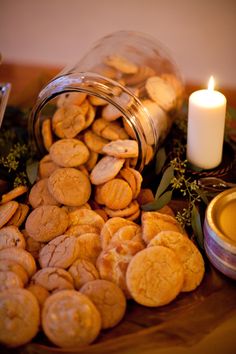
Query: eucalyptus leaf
{"points": [[197, 226], [164, 199], [168, 175], [160, 160], [203, 196], [32, 170]]}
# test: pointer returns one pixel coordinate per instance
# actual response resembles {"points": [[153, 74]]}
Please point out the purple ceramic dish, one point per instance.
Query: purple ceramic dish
{"points": [[220, 232]]}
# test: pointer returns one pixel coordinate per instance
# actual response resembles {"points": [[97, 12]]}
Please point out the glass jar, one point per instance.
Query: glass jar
{"points": [[129, 78]]}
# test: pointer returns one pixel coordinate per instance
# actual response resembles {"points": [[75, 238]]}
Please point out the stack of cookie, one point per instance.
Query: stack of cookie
{"points": [[69, 269]]}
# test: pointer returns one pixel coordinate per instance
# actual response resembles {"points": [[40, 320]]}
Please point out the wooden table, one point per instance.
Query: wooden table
{"points": [[203, 321]]}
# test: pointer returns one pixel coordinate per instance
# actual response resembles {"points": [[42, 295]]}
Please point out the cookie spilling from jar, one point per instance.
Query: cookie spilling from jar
{"points": [[148, 98], [70, 258]]}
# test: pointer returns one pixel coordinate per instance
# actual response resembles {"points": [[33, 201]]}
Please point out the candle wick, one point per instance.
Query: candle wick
{"points": [[211, 84]]}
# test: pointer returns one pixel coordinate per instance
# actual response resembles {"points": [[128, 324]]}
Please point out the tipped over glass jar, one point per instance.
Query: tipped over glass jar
{"points": [[125, 88]]}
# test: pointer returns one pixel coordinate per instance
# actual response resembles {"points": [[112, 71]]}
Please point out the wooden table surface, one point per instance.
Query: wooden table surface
{"points": [[203, 321]]}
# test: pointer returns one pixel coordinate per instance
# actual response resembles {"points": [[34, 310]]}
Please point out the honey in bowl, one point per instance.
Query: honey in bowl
{"points": [[227, 220]]}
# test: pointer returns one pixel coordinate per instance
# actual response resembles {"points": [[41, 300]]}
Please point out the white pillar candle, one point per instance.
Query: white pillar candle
{"points": [[206, 122]]}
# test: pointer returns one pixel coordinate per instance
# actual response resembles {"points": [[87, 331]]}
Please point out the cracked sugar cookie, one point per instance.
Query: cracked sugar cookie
{"points": [[154, 276]]}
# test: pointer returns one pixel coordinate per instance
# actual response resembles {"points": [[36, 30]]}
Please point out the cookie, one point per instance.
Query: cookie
{"points": [[122, 64], [13, 194], [7, 265], [69, 186], [89, 247], [154, 276], [46, 222], [108, 299], [31, 245], [92, 160], [79, 230], [94, 142], [19, 216], [86, 217], [82, 271], [121, 148], [68, 121], [7, 210], [53, 279], [161, 92], [19, 317], [109, 130], [10, 280], [116, 194], [154, 222], [71, 98], [187, 253], [125, 234], [110, 227], [46, 167], [106, 169], [70, 319], [47, 133], [60, 252], [128, 176], [39, 194], [10, 236], [131, 209], [39, 292], [20, 256], [143, 73], [69, 152], [112, 264]]}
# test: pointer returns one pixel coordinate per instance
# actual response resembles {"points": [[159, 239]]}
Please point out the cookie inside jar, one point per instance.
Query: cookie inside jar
{"points": [[125, 92]]}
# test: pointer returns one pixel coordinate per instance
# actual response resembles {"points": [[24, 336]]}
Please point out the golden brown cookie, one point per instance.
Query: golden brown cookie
{"points": [[92, 160], [128, 176], [53, 279], [145, 196], [79, 230], [154, 276], [109, 130], [46, 167], [161, 92], [109, 300], [60, 252], [13, 194], [39, 194], [116, 194], [86, 217], [112, 264], [46, 222], [111, 226], [39, 292], [83, 271], [19, 216], [47, 133], [20, 256], [121, 148], [166, 209], [94, 142], [68, 121], [71, 98], [138, 178], [89, 247], [143, 73], [10, 280], [131, 209], [7, 210], [188, 254], [70, 319], [106, 169], [7, 265], [10, 236], [154, 222], [69, 186], [32, 246], [69, 152], [19, 317], [125, 234], [122, 64]]}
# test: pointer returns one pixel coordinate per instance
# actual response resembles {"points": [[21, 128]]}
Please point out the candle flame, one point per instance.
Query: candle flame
{"points": [[211, 83]]}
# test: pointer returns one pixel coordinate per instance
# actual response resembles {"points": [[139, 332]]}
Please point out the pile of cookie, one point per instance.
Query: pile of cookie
{"points": [[69, 270]]}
